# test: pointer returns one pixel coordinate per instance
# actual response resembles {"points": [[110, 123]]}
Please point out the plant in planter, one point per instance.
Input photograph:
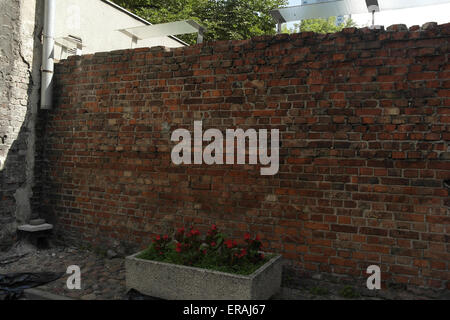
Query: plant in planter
{"points": [[188, 266], [213, 252]]}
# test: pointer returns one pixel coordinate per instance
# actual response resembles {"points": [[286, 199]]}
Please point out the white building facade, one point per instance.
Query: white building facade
{"points": [[89, 26]]}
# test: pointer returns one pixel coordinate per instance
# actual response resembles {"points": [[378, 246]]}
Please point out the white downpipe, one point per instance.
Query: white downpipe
{"points": [[48, 55]]}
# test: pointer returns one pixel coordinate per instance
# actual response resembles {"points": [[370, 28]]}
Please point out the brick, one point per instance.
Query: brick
{"points": [[373, 231], [342, 228], [404, 234]]}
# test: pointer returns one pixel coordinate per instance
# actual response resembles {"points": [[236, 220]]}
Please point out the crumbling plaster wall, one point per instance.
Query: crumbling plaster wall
{"points": [[20, 56]]}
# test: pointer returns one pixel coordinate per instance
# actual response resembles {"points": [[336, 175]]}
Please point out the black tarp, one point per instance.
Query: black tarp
{"points": [[12, 285], [133, 294]]}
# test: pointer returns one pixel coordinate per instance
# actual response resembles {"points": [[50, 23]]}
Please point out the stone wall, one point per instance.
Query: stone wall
{"points": [[19, 97], [364, 120]]}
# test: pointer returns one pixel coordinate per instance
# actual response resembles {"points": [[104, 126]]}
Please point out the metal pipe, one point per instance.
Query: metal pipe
{"points": [[48, 46]]}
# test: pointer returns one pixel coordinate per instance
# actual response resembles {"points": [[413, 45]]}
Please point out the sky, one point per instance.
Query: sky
{"points": [[410, 17]]}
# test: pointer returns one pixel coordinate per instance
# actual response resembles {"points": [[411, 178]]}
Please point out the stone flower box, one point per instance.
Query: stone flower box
{"points": [[178, 282]]}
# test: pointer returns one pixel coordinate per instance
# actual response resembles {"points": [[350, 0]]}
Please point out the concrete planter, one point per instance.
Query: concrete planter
{"points": [[178, 282]]}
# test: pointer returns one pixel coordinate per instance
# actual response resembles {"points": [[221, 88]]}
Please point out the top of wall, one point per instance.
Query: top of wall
{"points": [[362, 38]]}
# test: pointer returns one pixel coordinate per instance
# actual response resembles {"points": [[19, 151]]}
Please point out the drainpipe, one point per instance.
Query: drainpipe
{"points": [[48, 45]]}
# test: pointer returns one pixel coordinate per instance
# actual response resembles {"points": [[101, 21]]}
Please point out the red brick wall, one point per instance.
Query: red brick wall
{"points": [[364, 120]]}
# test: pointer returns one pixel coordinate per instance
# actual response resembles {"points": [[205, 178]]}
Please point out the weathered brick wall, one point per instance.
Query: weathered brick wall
{"points": [[364, 120]]}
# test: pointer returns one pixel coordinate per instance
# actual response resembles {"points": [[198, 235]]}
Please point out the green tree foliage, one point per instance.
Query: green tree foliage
{"points": [[319, 26], [223, 19]]}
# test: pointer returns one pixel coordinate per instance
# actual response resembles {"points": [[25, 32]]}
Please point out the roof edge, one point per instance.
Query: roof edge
{"points": [[139, 18]]}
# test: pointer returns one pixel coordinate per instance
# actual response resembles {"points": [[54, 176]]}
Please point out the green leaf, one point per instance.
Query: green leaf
{"points": [[224, 19]]}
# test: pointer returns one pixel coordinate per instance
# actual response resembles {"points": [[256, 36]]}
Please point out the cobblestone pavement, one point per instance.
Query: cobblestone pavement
{"points": [[104, 279], [101, 278]]}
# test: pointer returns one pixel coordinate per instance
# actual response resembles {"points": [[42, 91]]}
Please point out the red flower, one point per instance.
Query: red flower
{"points": [[166, 237], [204, 251], [157, 238], [213, 244], [261, 256], [195, 232], [213, 227], [180, 231], [257, 238], [247, 236], [243, 253], [229, 243], [178, 247]]}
